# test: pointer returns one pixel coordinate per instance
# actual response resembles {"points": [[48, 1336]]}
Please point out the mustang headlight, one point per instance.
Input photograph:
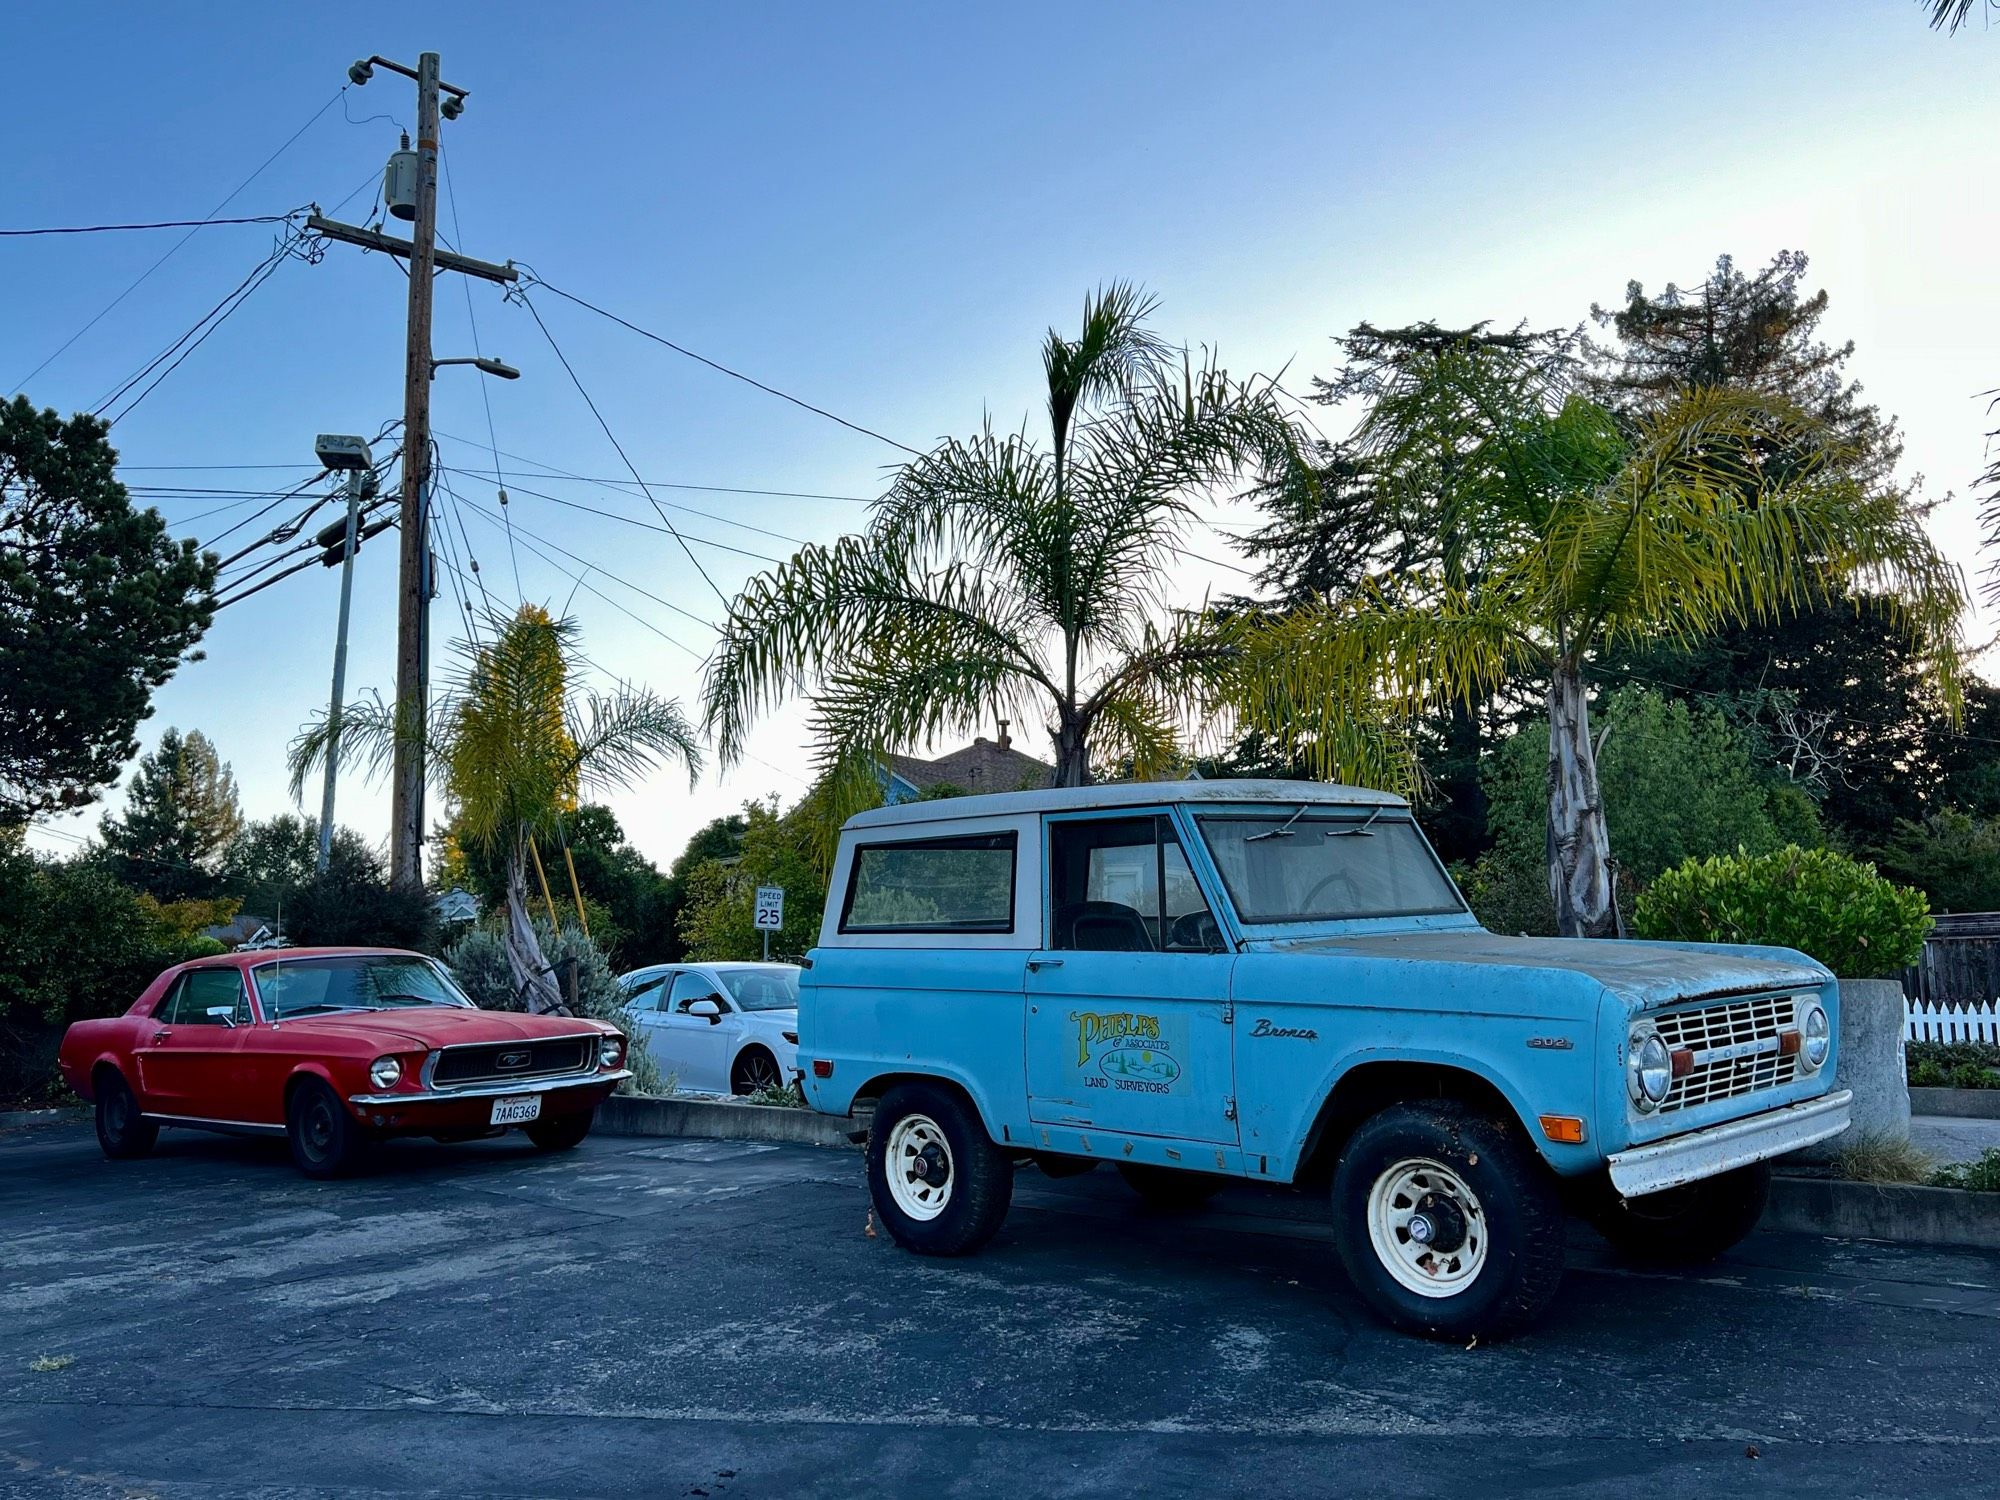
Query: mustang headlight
{"points": [[1815, 1037], [611, 1052], [1649, 1070], [385, 1072]]}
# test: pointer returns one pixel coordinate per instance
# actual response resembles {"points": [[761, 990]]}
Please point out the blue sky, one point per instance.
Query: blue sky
{"points": [[880, 208]]}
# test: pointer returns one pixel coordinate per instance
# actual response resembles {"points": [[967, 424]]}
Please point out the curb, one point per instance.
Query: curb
{"points": [[43, 1116], [646, 1115], [1900, 1213], [1956, 1104]]}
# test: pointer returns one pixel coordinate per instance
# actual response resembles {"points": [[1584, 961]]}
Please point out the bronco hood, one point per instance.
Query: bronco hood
{"points": [[1652, 974], [435, 1026]]}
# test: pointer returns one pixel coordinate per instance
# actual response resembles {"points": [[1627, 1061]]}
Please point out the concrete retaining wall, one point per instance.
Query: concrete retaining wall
{"points": [[635, 1114], [1868, 1211], [1956, 1104]]}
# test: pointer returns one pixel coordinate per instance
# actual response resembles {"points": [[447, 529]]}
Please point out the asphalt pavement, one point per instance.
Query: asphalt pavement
{"points": [[697, 1318]]}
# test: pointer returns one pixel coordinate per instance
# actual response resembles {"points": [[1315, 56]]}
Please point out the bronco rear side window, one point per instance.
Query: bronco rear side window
{"points": [[932, 885]]}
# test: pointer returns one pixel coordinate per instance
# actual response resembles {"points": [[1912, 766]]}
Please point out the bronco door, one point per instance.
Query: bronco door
{"points": [[1128, 1027]]}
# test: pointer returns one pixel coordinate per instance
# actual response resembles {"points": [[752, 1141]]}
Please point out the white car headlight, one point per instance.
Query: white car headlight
{"points": [[385, 1072], [1815, 1037], [611, 1052], [1649, 1070]]}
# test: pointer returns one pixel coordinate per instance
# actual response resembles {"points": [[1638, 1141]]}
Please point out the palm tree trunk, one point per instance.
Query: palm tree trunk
{"points": [[1072, 753], [1579, 844], [532, 981]]}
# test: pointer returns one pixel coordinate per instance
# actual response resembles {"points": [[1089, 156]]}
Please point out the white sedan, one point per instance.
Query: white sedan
{"points": [[721, 1028]]}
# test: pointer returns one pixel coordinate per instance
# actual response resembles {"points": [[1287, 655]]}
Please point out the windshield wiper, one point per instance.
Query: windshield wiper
{"points": [[1282, 832], [1344, 832], [314, 1009]]}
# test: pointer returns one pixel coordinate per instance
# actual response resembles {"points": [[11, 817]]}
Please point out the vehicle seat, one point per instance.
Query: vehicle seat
{"points": [[1102, 927]]}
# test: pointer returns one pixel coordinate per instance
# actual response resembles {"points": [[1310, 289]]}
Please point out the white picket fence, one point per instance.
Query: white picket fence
{"points": [[1938, 1023]]}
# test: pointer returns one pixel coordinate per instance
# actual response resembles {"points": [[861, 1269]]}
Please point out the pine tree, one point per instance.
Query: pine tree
{"points": [[180, 818]]}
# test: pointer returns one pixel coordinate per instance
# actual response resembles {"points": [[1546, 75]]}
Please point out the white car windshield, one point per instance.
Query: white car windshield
{"points": [[762, 989], [360, 981], [1327, 864]]}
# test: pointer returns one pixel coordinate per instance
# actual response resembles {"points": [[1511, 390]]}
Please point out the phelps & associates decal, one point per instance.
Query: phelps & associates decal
{"points": [[1129, 1051]]}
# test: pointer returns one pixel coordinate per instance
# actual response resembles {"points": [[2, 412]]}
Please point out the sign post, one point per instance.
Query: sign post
{"points": [[770, 913]]}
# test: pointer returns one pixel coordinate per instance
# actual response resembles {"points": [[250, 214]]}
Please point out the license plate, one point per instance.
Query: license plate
{"points": [[516, 1109]]}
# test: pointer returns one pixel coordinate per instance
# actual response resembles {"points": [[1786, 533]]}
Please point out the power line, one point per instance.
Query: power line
{"points": [[714, 365], [649, 526], [162, 224], [175, 247]]}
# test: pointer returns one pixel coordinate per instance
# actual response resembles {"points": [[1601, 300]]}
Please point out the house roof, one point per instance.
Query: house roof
{"points": [[1126, 794], [982, 766]]}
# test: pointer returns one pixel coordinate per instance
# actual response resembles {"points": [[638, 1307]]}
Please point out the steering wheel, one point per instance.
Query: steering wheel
{"points": [[1196, 930], [1338, 876]]}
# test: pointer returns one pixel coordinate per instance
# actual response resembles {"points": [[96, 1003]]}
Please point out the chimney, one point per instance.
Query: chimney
{"points": [[1006, 741]]}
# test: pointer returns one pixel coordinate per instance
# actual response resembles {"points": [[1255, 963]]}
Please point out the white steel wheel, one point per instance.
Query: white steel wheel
{"points": [[1427, 1227], [919, 1168]]}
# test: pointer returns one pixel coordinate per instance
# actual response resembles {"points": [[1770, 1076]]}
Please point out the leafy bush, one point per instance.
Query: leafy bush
{"points": [[1838, 910], [1952, 857], [1508, 895], [1952, 1065], [1981, 1176], [349, 906]]}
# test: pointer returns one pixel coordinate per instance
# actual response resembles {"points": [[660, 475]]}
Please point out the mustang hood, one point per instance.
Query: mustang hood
{"points": [[434, 1026], [1652, 974]]}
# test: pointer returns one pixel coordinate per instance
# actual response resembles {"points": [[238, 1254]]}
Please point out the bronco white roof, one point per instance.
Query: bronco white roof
{"points": [[1121, 794]]}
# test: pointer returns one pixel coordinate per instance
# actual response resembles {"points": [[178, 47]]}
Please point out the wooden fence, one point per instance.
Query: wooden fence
{"points": [[1960, 965]]}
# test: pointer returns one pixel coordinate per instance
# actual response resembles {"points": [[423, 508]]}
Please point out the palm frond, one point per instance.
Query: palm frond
{"points": [[620, 737]]}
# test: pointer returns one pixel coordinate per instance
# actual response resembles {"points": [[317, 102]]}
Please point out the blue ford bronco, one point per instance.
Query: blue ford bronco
{"points": [[1278, 982]]}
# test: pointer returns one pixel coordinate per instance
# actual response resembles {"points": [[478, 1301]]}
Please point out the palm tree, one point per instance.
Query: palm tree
{"points": [[512, 746], [1002, 578], [1718, 508]]}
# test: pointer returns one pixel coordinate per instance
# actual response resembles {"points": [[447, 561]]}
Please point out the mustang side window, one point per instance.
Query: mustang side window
{"points": [[1123, 885], [932, 885], [209, 997]]}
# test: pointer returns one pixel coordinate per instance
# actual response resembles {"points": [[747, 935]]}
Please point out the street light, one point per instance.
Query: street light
{"points": [[351, 455], [485, 366]]}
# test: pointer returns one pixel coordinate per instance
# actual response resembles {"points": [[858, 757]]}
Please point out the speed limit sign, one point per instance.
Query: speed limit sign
{"points": [[770, 908]]}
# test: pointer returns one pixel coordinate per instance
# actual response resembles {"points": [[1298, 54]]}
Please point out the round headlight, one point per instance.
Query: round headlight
{"points": [[610, 1051], [1815, 1038], [1649, 1070], [384, 1072]]}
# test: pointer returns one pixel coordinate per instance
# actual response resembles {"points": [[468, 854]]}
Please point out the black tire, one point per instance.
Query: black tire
{"points": [[1686, 1225], [122, 1131], [324, 1138], [754, 1070], [1514, 1270], [561, 1132], [1169, 1188], [978, 1180]]}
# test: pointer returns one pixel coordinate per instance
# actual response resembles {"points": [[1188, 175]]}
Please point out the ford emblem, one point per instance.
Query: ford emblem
{"points": [[512, 1060]]}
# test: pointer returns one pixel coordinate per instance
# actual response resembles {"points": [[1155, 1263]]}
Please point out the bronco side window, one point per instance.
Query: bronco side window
{"points": [[1122, 885], [932, 885]]}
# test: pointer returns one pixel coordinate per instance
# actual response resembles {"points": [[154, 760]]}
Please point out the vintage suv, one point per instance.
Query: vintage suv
{"points": [[1277, 981]]}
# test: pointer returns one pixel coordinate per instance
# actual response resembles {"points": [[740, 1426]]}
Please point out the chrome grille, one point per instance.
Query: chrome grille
{"points": [[487, 1062], [1733, 1024]]}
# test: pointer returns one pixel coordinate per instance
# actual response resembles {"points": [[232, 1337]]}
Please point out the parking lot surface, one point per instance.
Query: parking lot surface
{"points": [[697, 1318]]}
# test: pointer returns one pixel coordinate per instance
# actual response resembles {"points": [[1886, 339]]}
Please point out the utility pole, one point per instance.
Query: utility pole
{"points": [[351, 454], [416, 201]]}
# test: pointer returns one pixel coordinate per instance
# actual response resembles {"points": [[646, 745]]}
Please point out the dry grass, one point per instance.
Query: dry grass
{"points": [[1872, 1158]]}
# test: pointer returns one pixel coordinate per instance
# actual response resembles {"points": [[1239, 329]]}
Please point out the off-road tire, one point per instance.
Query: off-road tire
{"points": [[560, 1132], [1170, 1189], [1519, 1207], [122, 1132], [325, 1140], [1687, 1225], [981, 1183]]}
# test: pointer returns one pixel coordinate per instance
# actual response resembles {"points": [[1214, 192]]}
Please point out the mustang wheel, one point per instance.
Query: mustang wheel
{"points": [[121, 1130], [561, 1132], [755, 1071], [1685, 1225], [324, 1138], [1170, 1188], [1447, 1223], [940, 1186]]}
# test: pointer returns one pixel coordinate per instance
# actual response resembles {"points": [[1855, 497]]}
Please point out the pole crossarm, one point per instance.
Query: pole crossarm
{"points": [[388, 244]]}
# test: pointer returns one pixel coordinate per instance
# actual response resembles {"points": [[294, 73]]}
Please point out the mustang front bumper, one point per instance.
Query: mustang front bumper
{"points": [[548, 1084], [1722, 1148]]}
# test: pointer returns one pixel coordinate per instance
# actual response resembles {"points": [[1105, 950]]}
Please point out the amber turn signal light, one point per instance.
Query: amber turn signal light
{"points": [[1683, 1061], [1565, 1130]]}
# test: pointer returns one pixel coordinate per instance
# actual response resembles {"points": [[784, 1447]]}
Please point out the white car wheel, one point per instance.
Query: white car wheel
{"points": [[919, 1167], [1427, 1228]]}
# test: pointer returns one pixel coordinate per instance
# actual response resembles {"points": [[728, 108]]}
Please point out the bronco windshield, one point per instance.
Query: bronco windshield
{"points": [[361, 981], [762, 989], [1327, 864]]}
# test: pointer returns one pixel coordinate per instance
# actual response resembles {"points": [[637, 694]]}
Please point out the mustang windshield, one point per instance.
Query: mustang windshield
{"points": [[1327, 865], [361, 981], [763, 989]]}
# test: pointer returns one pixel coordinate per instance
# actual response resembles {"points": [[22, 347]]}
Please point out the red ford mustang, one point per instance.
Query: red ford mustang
{"points": [[331, 1047]]}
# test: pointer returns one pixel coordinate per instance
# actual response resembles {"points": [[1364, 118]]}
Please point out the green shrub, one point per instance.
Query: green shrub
{"points": [[1838, 910], [1952, 1065], [1981, 1176]]}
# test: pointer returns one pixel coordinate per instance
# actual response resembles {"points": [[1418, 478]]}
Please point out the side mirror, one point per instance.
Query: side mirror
{"points": [[709, 1009], [226, 1014]]}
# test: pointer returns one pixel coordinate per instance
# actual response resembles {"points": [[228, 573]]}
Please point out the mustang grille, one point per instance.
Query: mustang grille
{"points": [[495, 1061], [1746, 1031]]}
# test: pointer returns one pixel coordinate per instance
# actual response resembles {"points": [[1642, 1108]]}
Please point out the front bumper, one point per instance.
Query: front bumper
{"points": [[1734, 1143], [545, 1085]]}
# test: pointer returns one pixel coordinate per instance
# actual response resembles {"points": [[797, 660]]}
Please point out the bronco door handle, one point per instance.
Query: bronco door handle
{"points": [[1045, 963]]}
